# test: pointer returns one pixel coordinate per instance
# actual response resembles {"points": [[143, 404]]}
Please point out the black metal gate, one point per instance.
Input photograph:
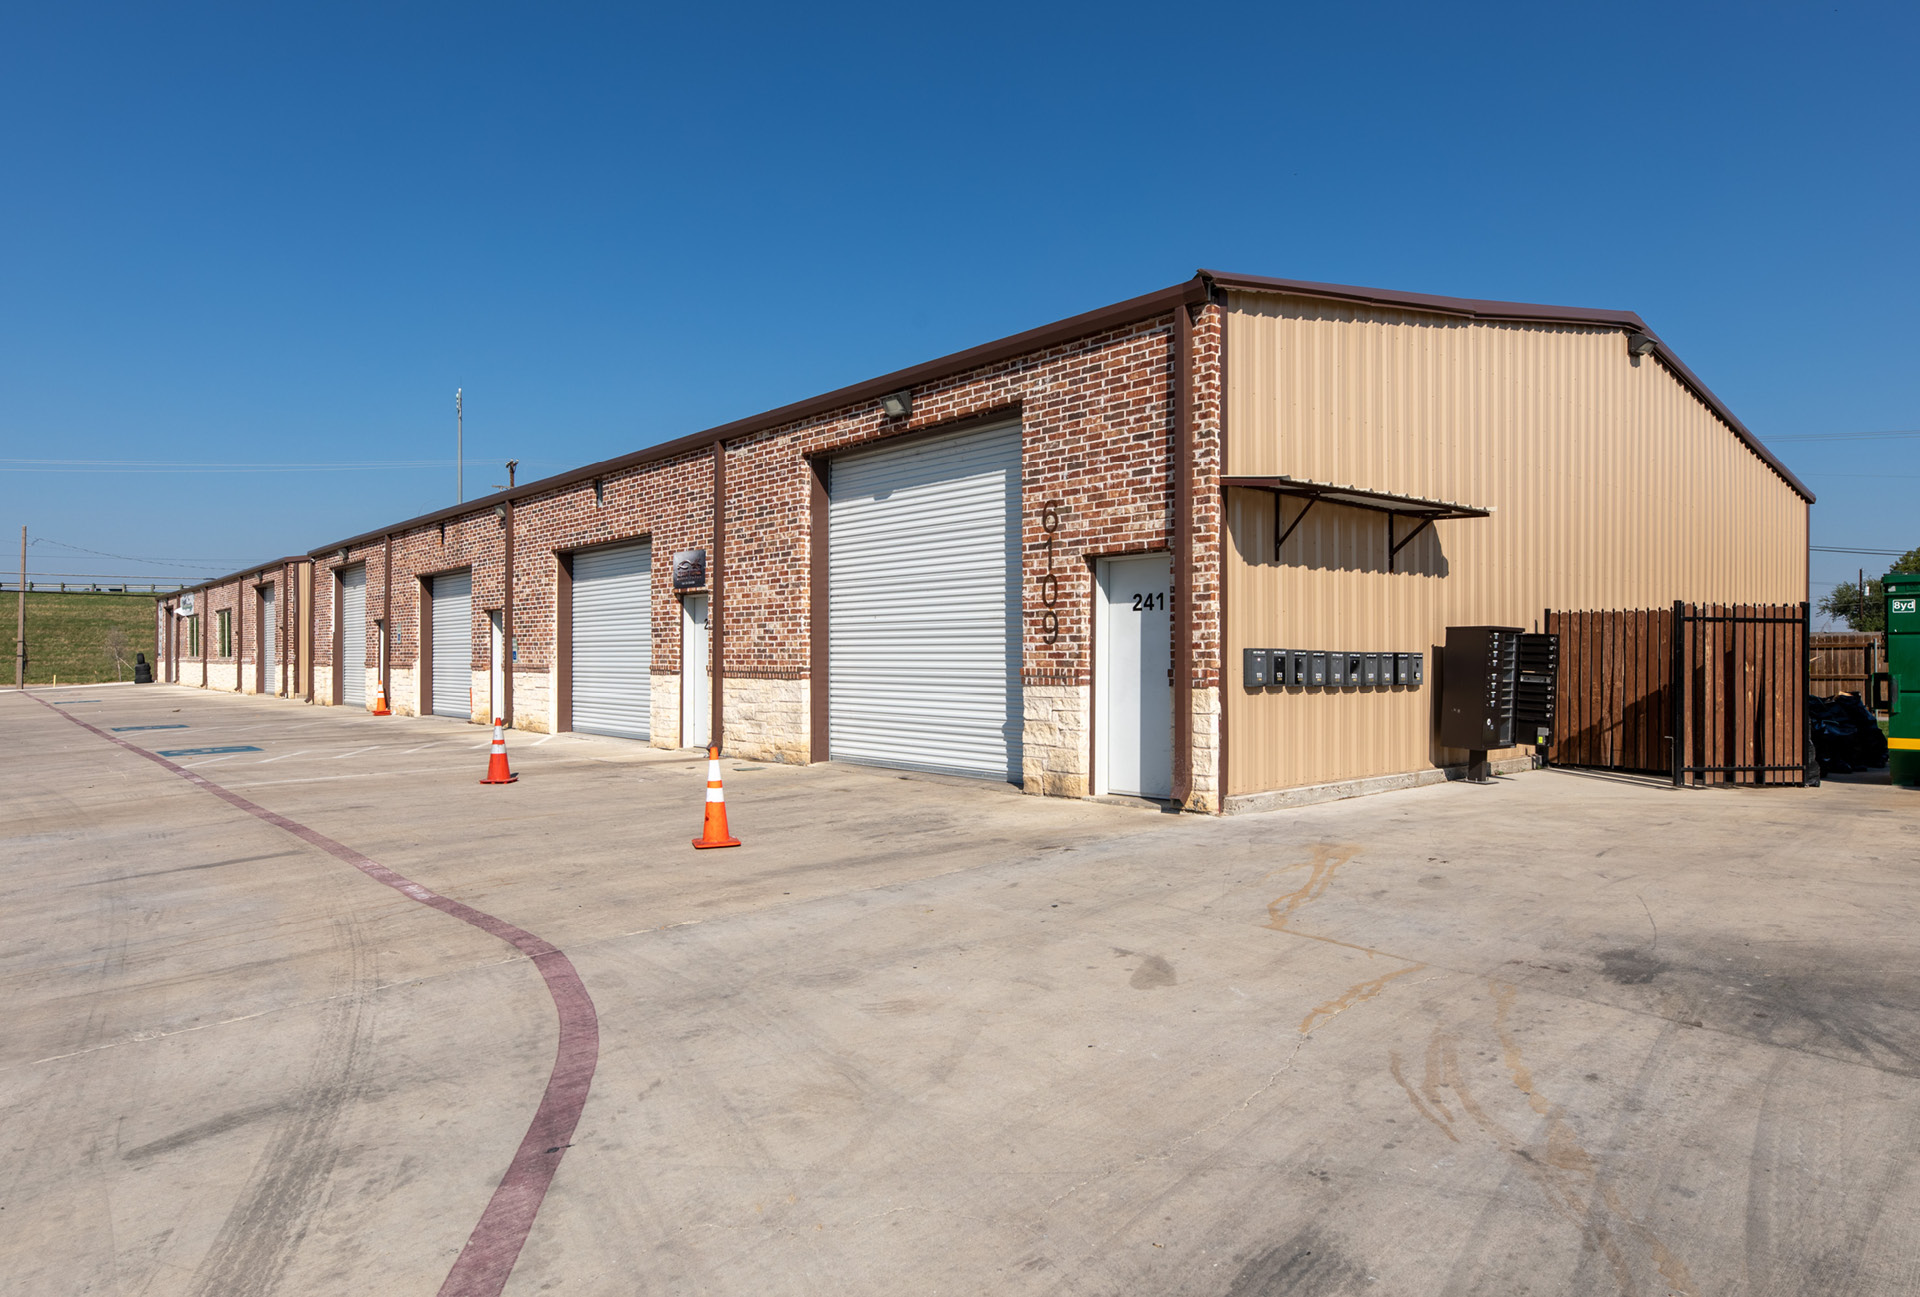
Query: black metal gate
{"points": [[1740, 708]]}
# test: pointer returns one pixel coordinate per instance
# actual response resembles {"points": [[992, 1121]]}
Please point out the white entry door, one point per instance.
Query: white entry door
{"points": [[497, 675], [696, 704], [1134, 676]]}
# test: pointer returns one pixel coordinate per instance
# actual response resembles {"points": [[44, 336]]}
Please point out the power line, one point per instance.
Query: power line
{"points": [[194, 563], [1835, 549], [1844, 436], [162, 466]]}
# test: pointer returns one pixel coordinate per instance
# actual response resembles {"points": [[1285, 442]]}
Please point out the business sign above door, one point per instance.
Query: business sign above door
{"points": [[690, 569]]}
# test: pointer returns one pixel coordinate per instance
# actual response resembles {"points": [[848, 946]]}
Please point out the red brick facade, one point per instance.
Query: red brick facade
{"points": [[1097, 424]]}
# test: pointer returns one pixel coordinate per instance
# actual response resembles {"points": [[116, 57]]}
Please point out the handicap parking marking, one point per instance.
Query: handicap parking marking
{"points": [[210, 761], [129, 729], [207, 752]]}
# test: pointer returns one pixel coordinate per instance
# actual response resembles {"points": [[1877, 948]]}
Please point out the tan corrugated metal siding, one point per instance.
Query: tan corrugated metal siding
{"points": [[1612, 485]]}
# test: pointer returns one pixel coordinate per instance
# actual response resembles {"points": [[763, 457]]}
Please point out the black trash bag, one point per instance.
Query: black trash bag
{"points": [[142, 673], [1845, 735]]}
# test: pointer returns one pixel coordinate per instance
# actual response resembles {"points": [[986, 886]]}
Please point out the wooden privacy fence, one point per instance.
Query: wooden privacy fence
{"points": [[1739, 709], [1841, 661]]}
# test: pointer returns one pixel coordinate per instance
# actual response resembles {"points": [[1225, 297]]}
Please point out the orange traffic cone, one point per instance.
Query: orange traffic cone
{"points": [[380, 701], [714, 832], [497, 772]]}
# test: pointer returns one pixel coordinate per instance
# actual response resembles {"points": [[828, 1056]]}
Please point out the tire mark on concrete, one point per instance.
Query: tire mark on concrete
{"points": [[1566, 1173], [482, 1268], [257, 1241]]}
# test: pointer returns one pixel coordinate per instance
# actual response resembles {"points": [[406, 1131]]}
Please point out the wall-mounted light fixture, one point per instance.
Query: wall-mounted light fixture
{"points": [[599, 491], [898, 405], [343, 554], [500, 512], [1641, 344]]}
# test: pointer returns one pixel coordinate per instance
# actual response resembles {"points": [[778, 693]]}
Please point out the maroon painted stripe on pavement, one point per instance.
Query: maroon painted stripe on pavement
{"points": [[488, 1258]]}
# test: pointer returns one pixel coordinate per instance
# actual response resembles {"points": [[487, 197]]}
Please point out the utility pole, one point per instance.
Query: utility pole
{"points": [[20, 633], [459, 447]]}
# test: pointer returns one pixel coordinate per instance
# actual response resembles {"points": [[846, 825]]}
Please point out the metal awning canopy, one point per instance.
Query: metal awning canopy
{"points": [[1395, 507]]}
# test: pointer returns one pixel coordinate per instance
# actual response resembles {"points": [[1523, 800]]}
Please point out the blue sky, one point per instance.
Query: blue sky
{"points": [[275, 235]]}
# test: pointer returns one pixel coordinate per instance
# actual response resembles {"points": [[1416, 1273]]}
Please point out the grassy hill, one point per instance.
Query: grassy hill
{"points": [[75, 636]]}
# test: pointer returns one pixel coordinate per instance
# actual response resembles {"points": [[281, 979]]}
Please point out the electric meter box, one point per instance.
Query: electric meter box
{"points": [[1256, 668]]}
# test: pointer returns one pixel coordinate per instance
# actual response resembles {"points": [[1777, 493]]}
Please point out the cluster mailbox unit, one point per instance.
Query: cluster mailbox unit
{"points": [[1321, 669], [1497, 687]]}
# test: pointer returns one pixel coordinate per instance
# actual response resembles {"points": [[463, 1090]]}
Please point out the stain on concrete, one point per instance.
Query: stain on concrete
{"points": [[1631, 967], [1153, 971], [1307, 1265], [1358, 993]]}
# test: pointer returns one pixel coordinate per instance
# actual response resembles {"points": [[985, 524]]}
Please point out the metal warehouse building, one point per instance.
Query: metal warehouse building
{"points": [[1039, 560]]}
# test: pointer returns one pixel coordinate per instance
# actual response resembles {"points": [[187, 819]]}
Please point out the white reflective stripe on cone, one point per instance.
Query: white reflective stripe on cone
{"points": [[716, 795]]}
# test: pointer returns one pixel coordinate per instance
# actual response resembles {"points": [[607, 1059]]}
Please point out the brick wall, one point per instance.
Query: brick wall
{"points": [[1097, 426]]}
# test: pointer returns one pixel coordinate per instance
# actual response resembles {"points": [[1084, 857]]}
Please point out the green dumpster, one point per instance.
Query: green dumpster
{"points": [[1898, 690]]}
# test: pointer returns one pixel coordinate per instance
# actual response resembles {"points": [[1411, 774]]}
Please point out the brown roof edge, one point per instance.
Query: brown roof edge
{"points": [[241, 575], [1131, 311], [1528, 312]]}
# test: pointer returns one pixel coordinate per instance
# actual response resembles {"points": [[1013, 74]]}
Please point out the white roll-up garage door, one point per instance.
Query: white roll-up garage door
{"points": [[353, 637], [613, 641], [453, 645], [923, 602], [269, 644]]}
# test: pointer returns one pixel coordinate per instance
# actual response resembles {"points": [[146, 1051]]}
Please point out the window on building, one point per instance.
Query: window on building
{"points": [[193, 637], [226, 632]]}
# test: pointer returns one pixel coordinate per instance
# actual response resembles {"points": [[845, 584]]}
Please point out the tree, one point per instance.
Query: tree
{"points": [[1869, 614], [115, 648]]}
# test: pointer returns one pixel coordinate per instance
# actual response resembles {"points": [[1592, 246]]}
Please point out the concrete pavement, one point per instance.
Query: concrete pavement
{"points": [[1562, 1034]]}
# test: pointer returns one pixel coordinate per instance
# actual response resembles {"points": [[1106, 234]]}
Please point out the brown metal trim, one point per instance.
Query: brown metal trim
{"points": [[717, 604], [562, 641], [1518, 312], [260, 640], [335, 695], [1180, 467], [423, 635], [386, 623], [1095, 696], [506, 628], [1223, 537], [819, 628], [1131, 311], [307, 601]]}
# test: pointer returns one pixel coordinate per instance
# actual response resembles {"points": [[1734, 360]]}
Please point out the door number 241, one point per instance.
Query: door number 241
{"points": [[1150, 602]]}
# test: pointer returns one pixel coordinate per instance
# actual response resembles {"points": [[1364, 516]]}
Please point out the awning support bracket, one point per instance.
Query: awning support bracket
{"points": [[1394, 547], [1279, 536]]}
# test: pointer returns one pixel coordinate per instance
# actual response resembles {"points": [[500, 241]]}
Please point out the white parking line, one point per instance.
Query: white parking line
{"points": [[356, 752], [422, 748], [537, 742], [283, 756], [194, 765], [361, 774]]}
